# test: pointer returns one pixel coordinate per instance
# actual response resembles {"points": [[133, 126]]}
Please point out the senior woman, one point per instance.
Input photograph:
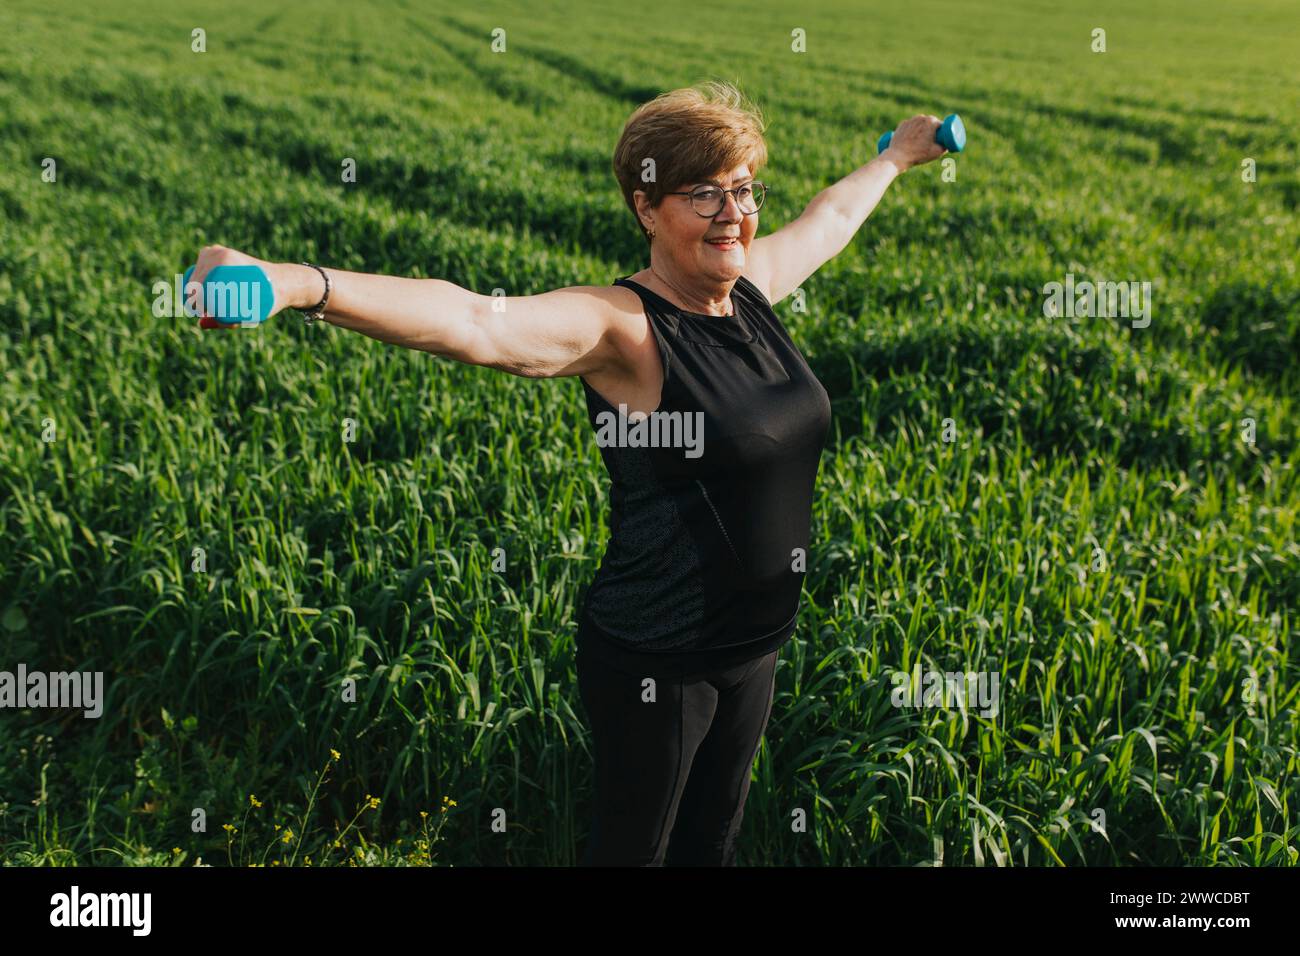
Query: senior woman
{"points": [[711, 426]]}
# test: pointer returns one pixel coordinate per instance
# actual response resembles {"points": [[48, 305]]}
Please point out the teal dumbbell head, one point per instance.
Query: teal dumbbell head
{"points": [[951, 135], [234, 295]]}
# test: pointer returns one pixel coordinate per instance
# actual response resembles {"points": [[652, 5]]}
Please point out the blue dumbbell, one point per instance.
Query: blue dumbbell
{"points": [[951, 135], [240, 295]]}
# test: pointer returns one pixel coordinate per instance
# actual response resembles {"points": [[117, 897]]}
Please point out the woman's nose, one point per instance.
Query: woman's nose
{"points": [[730, 211]]}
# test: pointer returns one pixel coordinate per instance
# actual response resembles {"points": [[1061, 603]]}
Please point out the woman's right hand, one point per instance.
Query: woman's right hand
{"points": [[292, 285], [913, 143]]}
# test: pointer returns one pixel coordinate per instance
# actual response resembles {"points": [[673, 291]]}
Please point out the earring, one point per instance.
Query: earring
{"points": [[652, 233]]}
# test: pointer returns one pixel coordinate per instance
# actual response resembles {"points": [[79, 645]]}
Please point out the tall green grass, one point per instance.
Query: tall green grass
{"points": [[1163, 690]]}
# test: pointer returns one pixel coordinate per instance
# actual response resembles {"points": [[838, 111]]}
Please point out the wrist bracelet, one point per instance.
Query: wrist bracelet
{"points": [[318, 310]]}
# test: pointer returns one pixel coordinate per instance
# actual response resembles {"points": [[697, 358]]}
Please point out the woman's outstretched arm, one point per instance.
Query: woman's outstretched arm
{"points": [[569, 331], [779, 263]]}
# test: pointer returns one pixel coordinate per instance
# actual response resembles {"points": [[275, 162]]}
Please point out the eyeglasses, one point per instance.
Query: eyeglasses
{"points": [[707, 201]]}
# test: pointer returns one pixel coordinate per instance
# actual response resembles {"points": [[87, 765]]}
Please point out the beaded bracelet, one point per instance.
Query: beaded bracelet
{"points": [[318, 310]]}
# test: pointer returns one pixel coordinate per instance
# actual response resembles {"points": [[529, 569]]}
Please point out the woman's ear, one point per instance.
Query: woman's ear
{"points": [[643, 210]]}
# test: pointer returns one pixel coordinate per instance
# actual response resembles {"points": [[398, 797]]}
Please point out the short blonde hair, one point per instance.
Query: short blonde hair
{"points": [[691, 134]]}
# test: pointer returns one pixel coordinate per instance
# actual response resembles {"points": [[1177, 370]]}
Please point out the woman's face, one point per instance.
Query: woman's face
{"points": [[686, 237]]}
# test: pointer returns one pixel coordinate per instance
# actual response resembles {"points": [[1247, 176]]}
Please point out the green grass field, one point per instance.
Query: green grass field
{"points": [[1159, 683]]}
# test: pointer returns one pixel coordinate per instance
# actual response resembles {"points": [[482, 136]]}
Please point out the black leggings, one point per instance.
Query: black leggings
{"points": [[676, 766]]}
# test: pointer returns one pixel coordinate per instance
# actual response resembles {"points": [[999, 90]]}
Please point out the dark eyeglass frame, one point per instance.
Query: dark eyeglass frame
{"points": [[735, 191]]}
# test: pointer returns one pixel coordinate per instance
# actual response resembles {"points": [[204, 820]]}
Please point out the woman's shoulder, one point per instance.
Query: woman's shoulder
{"points": [[751, 289], [762, 312]]}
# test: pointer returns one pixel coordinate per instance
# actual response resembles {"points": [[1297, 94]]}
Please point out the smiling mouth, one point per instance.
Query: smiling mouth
{"points": [[727, 243]]}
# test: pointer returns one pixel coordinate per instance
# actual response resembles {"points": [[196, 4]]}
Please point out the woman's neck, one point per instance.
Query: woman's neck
{"points": [[720, 306]]}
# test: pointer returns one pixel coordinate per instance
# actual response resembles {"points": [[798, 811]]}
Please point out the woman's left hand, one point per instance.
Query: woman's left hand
{"points": [[913, 143]]}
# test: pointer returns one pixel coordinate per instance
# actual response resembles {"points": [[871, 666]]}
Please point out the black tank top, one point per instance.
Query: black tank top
{"points": [[709, 530]]}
